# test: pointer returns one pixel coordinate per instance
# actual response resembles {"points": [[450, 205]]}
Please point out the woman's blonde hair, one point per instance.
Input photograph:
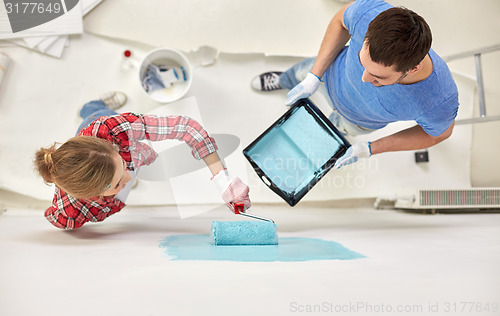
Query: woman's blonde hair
{"points": [[83, 166]]}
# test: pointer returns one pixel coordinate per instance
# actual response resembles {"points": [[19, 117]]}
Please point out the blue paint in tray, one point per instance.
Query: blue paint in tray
{"points": [[289, 249], [294, 153]]}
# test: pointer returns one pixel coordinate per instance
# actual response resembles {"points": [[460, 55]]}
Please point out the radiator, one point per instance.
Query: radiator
{"points": [[480, 198]]}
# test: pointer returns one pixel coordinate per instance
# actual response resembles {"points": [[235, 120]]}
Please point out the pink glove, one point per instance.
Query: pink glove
{"points": [[234, 191]]}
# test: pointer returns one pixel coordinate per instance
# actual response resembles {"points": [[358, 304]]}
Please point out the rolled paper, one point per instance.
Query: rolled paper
{"points": [[4, 64]]}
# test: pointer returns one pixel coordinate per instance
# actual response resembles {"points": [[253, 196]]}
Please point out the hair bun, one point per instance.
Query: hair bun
{"points": [[47, 157]]}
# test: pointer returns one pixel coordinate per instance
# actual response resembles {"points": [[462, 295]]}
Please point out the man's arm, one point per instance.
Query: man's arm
{"points": [[413, 138], [334, 41], [336, 36]]}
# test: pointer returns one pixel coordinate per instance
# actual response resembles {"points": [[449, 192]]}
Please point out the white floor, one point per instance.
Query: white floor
{"points": [[413, 262]]}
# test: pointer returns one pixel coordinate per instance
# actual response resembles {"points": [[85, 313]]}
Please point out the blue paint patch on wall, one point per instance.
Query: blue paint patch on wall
{"points": [[291, 249]]}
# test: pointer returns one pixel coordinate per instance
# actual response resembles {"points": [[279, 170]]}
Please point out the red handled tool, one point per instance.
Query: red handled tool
{"points": [[240, 210]]}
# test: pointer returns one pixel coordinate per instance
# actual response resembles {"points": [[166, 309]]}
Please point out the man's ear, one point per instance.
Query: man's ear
{"points": [[415, 68]]}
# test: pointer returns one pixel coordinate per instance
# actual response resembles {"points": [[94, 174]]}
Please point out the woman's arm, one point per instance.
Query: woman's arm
{"points": [[214, 163], [128, 128]]}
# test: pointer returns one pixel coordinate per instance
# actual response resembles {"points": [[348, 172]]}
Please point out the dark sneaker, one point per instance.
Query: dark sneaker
{"points": [[268, 81]]}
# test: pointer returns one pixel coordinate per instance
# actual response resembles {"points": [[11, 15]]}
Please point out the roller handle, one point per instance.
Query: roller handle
{"points": [[240, 210]]}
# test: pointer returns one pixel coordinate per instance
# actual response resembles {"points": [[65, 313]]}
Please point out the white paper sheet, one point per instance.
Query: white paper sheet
{"points": [[237, 26], [277, 27], [226, 105], [52, 45], [68, 23]]}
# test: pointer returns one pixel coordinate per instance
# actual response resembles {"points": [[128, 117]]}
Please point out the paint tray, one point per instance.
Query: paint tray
{"points": [[294, 153]]}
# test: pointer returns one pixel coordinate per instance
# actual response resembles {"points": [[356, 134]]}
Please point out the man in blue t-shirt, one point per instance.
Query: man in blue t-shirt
{"points": [[387, 73]]}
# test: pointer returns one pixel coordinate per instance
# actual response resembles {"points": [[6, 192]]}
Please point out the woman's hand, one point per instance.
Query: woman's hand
{"points": [[233, 190]]}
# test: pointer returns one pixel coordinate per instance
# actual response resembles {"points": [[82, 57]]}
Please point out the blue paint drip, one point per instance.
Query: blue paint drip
{"points": [[291, 249]]}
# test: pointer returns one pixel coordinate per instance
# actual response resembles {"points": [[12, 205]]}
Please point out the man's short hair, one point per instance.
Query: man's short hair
{"points": [[398, 37]]}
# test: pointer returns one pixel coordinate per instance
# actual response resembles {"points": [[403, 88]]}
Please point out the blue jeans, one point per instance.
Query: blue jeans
{"points": [[297, 73], [93, 110]]}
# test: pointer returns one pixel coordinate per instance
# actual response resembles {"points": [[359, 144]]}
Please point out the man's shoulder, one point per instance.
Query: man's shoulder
{"points": [[443, 74], [361, 12]]}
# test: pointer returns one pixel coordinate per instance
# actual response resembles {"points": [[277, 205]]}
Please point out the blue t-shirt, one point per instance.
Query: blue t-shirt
{"points": [[432, 103]]}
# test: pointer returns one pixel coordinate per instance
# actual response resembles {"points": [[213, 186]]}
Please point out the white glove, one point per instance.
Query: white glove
{"points": [[233, 190], [353, 153], [304, 89]]}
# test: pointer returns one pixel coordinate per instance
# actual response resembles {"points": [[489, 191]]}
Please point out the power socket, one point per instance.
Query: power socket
{"points": [[421, 156]]}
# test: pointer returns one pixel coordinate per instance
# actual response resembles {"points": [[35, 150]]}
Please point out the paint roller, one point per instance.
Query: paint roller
{"points": [[244, 233]]}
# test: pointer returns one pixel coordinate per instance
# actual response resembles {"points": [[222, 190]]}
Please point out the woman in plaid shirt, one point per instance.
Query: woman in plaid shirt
{"points": [[90, 169]]}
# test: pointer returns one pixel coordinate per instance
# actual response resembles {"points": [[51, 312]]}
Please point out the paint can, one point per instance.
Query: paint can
{"points": [[167, 57]]}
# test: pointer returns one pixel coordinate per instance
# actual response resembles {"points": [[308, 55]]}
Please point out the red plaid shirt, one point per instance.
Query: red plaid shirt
{"points": [[126, 131]]}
